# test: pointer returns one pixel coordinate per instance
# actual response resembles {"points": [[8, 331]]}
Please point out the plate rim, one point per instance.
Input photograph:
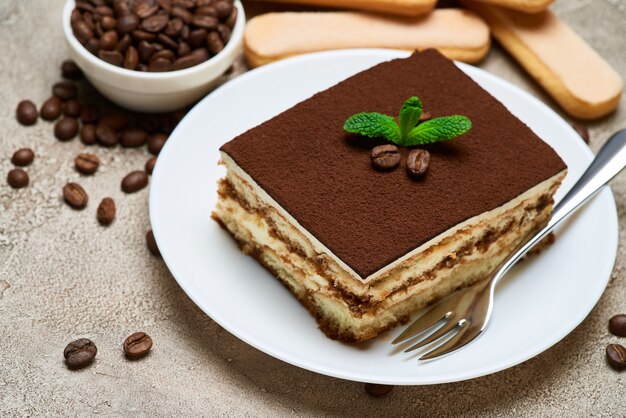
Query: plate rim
{"points": [[315, 366]]}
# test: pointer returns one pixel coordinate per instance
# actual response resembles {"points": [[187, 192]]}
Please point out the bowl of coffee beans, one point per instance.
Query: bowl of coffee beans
{"points": [[154, 55]]}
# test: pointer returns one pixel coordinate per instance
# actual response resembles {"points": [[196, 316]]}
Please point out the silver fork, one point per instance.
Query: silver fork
{"points": [[464, 315]]}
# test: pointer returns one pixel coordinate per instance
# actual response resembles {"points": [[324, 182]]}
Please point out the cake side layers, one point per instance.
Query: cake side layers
{"points": [[344, 317]]}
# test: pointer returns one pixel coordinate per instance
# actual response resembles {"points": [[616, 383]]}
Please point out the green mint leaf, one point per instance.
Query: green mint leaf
{"points": [[409, 116], [439, 129], [373, 125]]}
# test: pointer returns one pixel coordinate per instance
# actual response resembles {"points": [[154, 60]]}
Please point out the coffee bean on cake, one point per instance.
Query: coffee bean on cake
{"points": [[26, 113], [23, 157]]}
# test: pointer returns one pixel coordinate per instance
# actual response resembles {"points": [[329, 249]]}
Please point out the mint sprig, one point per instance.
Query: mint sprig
{"points": [[409, 132]]}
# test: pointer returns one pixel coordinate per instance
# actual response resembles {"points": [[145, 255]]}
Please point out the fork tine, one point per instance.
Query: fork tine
{"points": [[425, 321], [465, 336], [445, 329]]}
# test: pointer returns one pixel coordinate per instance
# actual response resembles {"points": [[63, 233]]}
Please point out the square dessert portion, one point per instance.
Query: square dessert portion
{"points": [[363, 249]]}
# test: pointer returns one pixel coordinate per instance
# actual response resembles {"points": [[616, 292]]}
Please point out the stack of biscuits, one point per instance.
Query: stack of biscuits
{"points": [[578, 79]]}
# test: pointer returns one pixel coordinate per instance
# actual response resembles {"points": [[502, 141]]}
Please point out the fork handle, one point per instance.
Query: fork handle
{"points": [[609, 161]]}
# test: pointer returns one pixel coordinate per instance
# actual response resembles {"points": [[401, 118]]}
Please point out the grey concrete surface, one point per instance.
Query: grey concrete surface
{"points": [[62, 276]]}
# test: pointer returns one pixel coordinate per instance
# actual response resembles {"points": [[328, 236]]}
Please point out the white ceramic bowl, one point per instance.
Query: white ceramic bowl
{"points": [[153, 92]]}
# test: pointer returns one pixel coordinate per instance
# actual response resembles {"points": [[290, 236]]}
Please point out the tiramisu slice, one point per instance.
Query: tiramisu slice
{"points": [[362, 248]]}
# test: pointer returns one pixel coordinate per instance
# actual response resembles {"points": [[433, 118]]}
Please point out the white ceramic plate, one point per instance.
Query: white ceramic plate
{"points": [[537, 305]]}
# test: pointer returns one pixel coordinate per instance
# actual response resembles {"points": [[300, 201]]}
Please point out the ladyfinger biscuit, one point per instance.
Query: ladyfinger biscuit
{"points": [[400, 7], [579, 79], [458, 34], [526, 6]]}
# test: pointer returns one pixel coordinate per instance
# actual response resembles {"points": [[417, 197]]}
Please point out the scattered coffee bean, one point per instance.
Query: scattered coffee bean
{"points": [[129, 33], [376, 390], [156, 142], [88, 134], [150, 165], [70, 70], [72, 108], [152, 245], [66, 129], [425, 116], [417, 162], [135, 181], [616, 356], [26, 113], [137, 345], [115, 120], [17, 178], [80, 353], [582, 131], [89, 114], [51, 109], [106, 211], [617, 325], [23, 157], [106, 135], [64, 90], [133, 137], [385, 157], [75, 196], [86, 163]]}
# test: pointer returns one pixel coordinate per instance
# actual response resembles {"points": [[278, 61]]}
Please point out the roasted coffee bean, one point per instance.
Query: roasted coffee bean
{"points": [[214, 42], [145, 8], [182, 14], [26, 113], [131, 59], [137, 345], [106, 135], [376, 390], [72, 108], [66, 129], [206, 11], [51, 109], [165, 54], [232, 19], [617, 325], [152, 245], [75, 196], [385, 157], [116, 120], [108, 23], [224, 32], [134, 181], [75, 17], [145, 50], [197, 38], [23, 157], [206, 22], [417, 162], [160, 65], [64, 90], [127, 23], [106, 212], [616, 356], [92, 46], [582, 131], [185, 4], [102, 11], [165, 5], [149, 122], [86, 163], [425, 116], [109, 40], [112, 57], [133, 137], [88, 134], [124, 44], [84, 6], [89, 114], [183, 49], [174, 27], [121, 7], [224, 9], [150, 165], [70, 70], [80, 353], [187, 61], [167, 42], [140, 35], [17, 178], [156, 142], [155, 23], [82, 31]]}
